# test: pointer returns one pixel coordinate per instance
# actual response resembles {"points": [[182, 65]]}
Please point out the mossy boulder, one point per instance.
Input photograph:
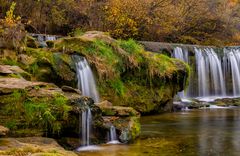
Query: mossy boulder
{"points": [[31, 42], [126, 120], [42, 108], [225, 102]]}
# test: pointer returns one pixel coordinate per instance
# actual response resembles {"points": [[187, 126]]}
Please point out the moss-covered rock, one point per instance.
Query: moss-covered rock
{"points": [[124, 119], [127, 75], [31, 42], [42, 108], [225, 102]]}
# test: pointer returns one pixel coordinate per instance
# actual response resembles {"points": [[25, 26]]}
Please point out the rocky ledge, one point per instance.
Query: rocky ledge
{"points": [[35, 146]]}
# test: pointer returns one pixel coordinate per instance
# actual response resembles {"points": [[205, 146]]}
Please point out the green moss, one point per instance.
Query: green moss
{"points": [[8, 61], [46, 114]]}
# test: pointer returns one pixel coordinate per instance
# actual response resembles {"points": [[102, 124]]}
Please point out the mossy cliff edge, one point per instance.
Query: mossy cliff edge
{"points": [[126, 74]]}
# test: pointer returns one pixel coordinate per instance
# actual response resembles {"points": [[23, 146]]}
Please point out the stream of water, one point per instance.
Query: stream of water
{"points": [[207, 132]]}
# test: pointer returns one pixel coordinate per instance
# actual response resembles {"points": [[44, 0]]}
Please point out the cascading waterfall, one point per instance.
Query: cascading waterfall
{"points": [[231, 63], [212, 75], [86, 126], [87, 85], [86, 81]]}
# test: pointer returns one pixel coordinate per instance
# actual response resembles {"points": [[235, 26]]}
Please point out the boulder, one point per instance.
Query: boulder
{"points": [[125, 119], [3, 130], [97, 35], [26, 60], [9, 85], [13, 71], [70, 89], [225, 102]]}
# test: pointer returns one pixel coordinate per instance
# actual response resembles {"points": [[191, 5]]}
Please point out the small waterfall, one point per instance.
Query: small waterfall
{"points": [[180, 53], [210, 75], [231, 63], [86, 81], [86, 126], [113, 136]]}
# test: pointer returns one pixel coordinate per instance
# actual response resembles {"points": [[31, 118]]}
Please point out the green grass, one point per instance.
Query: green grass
{"points": [[118, 87]]}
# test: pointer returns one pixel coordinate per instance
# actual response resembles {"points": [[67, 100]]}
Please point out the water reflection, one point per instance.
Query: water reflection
{"points": [[199, 132]]}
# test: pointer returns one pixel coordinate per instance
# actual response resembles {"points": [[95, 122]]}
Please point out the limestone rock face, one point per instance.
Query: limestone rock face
{"points": [[9, 85]]}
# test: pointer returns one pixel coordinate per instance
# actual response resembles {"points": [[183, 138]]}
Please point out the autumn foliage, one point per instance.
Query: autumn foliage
{"points": [[186, 21]]}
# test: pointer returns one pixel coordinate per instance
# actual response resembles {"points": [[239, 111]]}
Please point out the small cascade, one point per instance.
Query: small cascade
{"points": [[213, 75], [86, 81], [50, 38], [43, 38], [181, 54], [113, 136], [86, 126], [231, 63]]}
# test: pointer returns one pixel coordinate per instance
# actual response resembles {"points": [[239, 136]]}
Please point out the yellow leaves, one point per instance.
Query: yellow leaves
{"points": [[10, 18]]}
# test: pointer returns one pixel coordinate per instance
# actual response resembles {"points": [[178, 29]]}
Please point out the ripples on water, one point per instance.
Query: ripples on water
{"points": [[213, 132]]}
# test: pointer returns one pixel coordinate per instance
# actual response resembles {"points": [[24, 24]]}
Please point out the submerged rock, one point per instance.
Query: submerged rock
{"points": [[225, 102]]}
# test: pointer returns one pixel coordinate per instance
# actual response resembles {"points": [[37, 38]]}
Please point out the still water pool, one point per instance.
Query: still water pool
{"points": [[207, 132]]}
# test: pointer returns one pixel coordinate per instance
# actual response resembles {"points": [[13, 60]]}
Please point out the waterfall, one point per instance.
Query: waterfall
{"points": [[86, 126], [209, 71], [232, 69], [86, 81], [181, 54], [113, 136], [213, 74]]}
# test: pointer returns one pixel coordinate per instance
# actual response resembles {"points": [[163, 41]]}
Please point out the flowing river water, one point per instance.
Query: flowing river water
{"points": [[205, 132]]}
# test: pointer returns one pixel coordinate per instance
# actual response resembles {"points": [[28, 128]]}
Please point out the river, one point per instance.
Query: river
{"points": [[205, 132]]}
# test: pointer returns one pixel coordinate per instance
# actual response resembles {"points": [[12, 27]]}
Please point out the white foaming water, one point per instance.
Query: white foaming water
{"points": [[50, 38], [89, 148], [86, 81]]}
